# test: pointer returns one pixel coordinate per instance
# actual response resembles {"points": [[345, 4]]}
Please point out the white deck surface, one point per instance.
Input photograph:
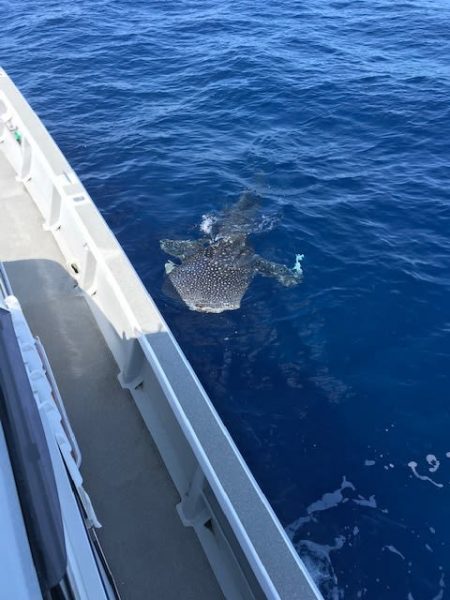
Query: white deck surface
{"points": [[151, 554]]}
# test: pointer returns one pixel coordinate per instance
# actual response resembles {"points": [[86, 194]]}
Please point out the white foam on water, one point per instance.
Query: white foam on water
{"points": [[207, 224], [169, 266], [369, 502], [266, 223], [261, 225], [433, 462], [413, 466], [440, 594], [317, 556], [318, 562], [330, 499], [293, 527], [394, 550], [369, 463], [297, 268]]}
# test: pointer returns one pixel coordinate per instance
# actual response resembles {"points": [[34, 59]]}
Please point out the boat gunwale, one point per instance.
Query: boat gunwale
{"points": [[129, 328]]}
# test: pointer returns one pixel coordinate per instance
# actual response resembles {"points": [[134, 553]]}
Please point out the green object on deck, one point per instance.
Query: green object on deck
{"points": [[18, 136]]}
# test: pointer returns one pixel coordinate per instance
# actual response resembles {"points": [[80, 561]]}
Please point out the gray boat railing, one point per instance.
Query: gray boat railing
{"points": [[243, 539]]}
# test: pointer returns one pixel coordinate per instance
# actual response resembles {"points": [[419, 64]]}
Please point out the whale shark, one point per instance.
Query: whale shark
{"points": [[213, 273]]}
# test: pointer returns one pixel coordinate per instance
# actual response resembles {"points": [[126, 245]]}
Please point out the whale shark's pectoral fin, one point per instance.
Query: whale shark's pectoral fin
{"points": [[284, 275], [181, 248]]}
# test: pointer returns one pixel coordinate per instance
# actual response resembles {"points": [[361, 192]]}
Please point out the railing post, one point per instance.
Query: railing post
{"points": [[193, 509], [24, 174], [131, 376]]}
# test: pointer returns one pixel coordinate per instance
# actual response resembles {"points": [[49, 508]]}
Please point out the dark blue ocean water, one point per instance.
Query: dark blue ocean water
{"points": [[337, 113]]}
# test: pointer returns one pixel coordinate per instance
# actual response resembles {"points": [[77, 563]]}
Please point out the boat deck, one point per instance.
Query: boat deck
{"points": [[150, 552]]}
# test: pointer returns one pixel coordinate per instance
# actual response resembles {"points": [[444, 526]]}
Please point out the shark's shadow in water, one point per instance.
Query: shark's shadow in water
{"points": [[213, 273]]}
